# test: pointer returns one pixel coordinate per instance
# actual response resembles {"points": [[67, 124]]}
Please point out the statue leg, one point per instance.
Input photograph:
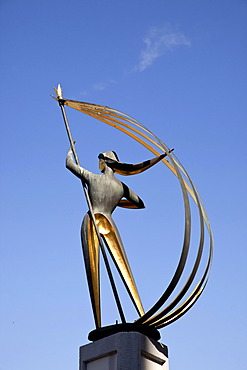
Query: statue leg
{"points": [[110, 234], [90, 247]]}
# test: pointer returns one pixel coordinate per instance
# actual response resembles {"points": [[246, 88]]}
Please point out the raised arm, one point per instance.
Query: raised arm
{"points": [[75, 169]]}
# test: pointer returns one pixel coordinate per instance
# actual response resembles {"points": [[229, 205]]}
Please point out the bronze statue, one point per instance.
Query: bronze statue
{"points": [[106, 193]]}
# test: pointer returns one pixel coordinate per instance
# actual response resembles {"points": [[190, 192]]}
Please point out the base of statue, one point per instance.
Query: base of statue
{"points": [[106, 331], [124, 351]]}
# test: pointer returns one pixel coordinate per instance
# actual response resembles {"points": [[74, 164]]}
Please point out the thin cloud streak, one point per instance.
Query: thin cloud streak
{"points": [[99, 86], [158, 41], [102, 85]]}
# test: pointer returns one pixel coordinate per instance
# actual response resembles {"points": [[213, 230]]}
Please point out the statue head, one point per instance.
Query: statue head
{"points": [[109, 159]]}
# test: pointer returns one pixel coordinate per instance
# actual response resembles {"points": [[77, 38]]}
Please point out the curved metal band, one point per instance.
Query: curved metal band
{"points": [[155, 320], [191, 300]]}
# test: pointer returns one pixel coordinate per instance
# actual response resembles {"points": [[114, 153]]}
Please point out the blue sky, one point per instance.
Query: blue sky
{"points": [[179, 68]]}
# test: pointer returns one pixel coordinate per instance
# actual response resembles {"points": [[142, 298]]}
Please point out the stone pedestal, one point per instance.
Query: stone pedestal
{"points": [[124, 351]]}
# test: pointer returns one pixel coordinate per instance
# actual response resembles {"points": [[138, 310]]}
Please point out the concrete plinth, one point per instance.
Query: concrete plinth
{"points": [[124, 351]]}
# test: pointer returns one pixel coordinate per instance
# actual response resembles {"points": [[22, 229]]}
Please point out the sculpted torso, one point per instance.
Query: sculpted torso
{"points": [[105, 192]]}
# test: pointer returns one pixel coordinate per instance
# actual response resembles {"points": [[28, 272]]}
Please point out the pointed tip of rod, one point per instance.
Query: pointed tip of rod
{"points": [[58, 91]]}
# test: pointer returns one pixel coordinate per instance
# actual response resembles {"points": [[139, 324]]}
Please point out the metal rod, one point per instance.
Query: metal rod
{"points": [[114, 289]]}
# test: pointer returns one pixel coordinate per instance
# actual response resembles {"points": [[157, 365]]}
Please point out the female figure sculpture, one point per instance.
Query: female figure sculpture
{"points": [[106, 193]]}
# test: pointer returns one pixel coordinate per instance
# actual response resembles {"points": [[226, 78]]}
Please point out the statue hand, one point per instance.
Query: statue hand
{"points": [[71, 146]]}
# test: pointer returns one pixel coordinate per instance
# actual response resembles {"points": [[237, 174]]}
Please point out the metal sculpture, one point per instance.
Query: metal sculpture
{"points": [[106, 193], [98, 227]]}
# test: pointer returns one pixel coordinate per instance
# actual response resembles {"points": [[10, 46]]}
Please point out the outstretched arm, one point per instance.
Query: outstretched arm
{"points": [[74, 168], [132, 200], [126, 169]]}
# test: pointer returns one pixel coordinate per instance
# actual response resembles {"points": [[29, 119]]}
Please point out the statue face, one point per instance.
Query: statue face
{"points": [[102, 165]]}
